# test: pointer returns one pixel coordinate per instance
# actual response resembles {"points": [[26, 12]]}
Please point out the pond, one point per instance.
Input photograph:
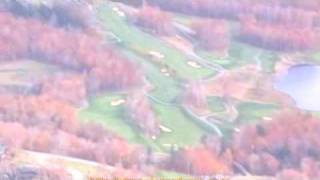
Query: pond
{"points": [[302, 83]]}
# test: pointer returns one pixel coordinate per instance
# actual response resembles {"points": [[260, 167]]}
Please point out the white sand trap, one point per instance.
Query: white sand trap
{"points": [[236, 129], [156, 54], [164, 70], [194, 64], [266, 118], [119, 12], [165, 129], [116, 9], [117, 102]]}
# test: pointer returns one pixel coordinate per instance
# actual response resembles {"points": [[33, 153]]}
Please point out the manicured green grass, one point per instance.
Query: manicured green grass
{"points": [[114, 119], [142, 43], [253, 112], [111, 117], [241, 54], [213, 57], [166, 89], [185, 132], [136, 45]]}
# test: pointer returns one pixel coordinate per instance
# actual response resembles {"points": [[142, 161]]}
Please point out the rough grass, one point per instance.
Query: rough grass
{"points": [[19, 73], [252, 112]]}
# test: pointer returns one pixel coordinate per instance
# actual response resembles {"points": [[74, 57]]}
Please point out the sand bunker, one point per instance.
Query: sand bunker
{"points": [[119, 12], [194, 64], [165, 129], [117, 102], [266, 118], [164, 70], [156, 54]]}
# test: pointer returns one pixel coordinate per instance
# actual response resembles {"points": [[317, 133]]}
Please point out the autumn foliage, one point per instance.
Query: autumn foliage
{"points": [[67, 14], [74, 50], [277, 25], [155, 20], [62, 134], [276, 10], [70, 88], [198, 161], [277, 37], [211, 8], [212, 34], [288, 142], [287, 147], [142, 114], [46, 120], [195, 96]]}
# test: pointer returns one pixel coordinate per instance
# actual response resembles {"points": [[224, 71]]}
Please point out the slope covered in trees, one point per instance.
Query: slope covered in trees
{"points": [[280, 37], [62, 14], [179, 86], [23, 38], [54, 128], [277, 25], [213, 34], [286, 143], [159, 22]]}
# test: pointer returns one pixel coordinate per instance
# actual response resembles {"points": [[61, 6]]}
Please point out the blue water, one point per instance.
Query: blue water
{"points": [[302, 83]]}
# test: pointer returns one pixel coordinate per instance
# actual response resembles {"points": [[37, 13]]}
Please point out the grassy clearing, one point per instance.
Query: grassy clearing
{"points": [[185, 132], [143, 43], [113, 118], [19, 73], [253, 112], [241, 54], [166, 89], [101, 110]]}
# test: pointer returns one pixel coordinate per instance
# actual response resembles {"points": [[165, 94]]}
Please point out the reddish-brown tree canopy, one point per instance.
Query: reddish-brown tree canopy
{"points": [[23, 38], [289, 141], [142, 114], [277, 37], [212, 34], [198, 161], [152, 18]]}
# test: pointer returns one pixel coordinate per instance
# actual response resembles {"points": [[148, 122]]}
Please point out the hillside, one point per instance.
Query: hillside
{"points": [[160, 88]]}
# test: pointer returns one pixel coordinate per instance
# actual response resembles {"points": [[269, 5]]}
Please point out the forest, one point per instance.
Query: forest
{"points": [[157, 88]]}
